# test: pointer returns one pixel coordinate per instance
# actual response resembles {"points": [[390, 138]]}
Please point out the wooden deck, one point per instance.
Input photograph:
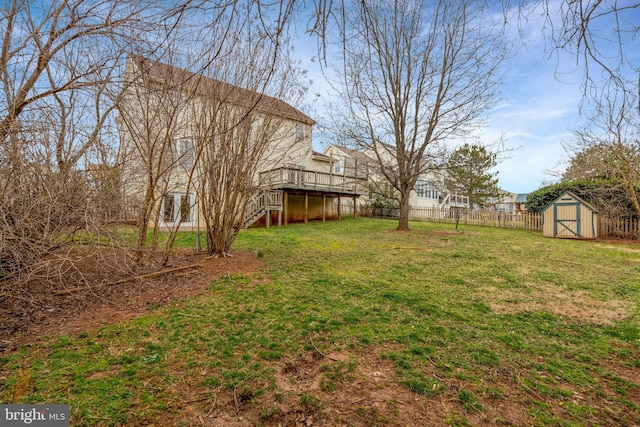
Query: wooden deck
{"points": [[299, 179]]}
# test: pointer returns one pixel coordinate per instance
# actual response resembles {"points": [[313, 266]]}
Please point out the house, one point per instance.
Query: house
{"points": [[568, 216], [510, 202], [181, 135], [429, 191]]}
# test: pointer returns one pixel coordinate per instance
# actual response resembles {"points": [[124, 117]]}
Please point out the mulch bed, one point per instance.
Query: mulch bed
{"points": [[91, 295]]}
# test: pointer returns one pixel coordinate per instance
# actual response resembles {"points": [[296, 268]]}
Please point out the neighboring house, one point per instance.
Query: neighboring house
{"points": [[162, 109], [510, 202], [429, 191]]}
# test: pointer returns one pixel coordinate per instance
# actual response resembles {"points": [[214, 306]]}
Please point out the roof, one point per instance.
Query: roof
{"points": [[521, 198], [208, 86], [570, 194], [320, 156], [358, 155]]}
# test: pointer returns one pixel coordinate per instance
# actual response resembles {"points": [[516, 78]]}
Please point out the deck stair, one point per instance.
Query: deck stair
{"points": [[259, 204]]}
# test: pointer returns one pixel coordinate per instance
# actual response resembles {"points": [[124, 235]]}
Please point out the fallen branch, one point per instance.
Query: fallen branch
{"points": [[189, 315], [132, 279], [319, 352], [9, 296]]}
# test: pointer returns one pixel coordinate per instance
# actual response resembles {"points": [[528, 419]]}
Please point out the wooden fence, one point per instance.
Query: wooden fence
{"points": [[489, 218], [608, 227], [618, 228], [123, 215]]}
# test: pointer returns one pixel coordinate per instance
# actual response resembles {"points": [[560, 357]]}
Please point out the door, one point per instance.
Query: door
{"points": [[567, 220]]}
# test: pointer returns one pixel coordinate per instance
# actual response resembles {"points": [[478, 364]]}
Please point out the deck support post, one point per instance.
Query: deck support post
{"points": [[306, 208], [324, 207], [355, 210], [286, 208]]}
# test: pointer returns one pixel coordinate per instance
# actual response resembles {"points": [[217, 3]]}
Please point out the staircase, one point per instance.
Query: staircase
{"points": [[259, 204], [445, 201]]}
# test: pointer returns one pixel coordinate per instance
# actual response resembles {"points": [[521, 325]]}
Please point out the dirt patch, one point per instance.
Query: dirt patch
{"points": [[354, 389], [51, 309], [574, 304]]}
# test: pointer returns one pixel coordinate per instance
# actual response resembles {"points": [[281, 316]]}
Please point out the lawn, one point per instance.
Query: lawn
{"points": [[353, 323]]}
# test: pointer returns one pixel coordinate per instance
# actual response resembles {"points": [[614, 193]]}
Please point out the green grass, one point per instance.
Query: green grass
{"points": [[475, 316]]}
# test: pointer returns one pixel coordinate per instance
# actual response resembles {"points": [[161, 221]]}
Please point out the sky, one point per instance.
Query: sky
{"points": [[536, 113]]}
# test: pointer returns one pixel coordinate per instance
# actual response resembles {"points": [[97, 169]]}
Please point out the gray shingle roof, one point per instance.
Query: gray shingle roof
{"points": [[183, 79]]}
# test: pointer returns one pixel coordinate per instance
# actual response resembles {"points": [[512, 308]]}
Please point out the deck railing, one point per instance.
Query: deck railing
{"points": [[294, 178]]}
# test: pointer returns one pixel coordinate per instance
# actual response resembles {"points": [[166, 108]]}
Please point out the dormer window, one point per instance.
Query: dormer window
{"points": [[337, 167]]}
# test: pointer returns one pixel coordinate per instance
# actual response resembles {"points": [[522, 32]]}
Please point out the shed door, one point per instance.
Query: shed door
{"points": [[567, 220]]}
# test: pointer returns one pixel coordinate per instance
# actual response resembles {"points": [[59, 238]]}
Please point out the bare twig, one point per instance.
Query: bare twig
{"points": [[321, 353]]}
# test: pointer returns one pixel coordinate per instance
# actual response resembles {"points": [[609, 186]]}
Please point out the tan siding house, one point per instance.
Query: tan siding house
{"points": [[165, 106]]}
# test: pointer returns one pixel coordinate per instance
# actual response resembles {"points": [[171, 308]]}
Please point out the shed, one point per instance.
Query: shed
{"points": [[570, 217]]}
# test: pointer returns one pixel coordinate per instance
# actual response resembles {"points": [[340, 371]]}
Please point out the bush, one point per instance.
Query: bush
{"points": [[607, 196]]}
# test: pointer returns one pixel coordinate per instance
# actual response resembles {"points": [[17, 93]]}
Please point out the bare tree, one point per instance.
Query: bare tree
{"points": [[51, 47], [150, 109], [416, 75], [56, 60], [241, 131], [194, 141], [612, 137], [601, 35], [61, 64]]}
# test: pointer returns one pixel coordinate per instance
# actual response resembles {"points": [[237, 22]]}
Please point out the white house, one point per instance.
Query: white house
{"points": [[510, 202], [429, 191]]}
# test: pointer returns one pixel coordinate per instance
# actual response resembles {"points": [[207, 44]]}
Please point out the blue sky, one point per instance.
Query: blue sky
{"points": [[537, 111]]}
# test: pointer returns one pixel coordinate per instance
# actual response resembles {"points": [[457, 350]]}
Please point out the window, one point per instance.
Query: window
{"points": [[337, 167], [185, 208], [424, 189], [168, 212], [184, 153], [299, 132], [176, 207]]}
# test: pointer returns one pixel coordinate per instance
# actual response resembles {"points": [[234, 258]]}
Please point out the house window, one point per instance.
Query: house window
{"points": [[299, 132], [423, 189], [337, 167], [177, 207], [185, 208], [168, 212], [185, 154]]}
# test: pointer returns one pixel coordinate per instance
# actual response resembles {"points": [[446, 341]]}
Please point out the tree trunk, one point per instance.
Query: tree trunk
{"points": [[403, 221]]}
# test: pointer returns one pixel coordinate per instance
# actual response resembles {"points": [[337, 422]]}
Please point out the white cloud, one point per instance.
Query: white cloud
{"points": [[538, 109]]}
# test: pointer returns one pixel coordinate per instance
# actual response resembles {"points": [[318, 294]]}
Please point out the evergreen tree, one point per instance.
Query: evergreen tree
{"points": [[468, 173]]}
